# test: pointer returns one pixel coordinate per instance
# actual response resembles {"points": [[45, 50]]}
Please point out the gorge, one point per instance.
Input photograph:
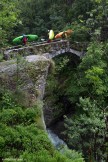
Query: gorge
{"points": [[26, 77]]}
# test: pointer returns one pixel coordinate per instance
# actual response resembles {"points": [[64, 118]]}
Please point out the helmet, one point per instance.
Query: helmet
{"points": [[24, 35]]}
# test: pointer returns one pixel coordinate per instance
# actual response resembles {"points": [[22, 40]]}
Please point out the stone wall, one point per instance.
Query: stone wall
{"points": [[37, 49], [27, 76]]}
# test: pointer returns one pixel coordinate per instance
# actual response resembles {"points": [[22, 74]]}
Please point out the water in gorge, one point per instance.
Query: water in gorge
{"points": [[56, 141]]}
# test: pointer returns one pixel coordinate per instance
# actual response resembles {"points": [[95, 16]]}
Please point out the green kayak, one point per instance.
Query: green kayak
{"points": [[30, 38], [17, 40]]}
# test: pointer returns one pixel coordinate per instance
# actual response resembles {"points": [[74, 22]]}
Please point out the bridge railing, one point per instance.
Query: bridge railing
{"points": [[36, 49]]}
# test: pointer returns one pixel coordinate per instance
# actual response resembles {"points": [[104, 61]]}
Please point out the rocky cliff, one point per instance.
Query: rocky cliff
{"points": [[25, 78]]}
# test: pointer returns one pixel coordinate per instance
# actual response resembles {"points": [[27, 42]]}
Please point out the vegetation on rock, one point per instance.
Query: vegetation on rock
{"points": [[77, 89]]}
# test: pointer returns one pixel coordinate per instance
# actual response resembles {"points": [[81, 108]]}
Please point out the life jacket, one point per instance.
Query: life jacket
{"points": [[24, 39]]}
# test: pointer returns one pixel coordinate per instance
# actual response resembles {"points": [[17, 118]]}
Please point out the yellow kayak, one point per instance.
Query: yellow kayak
{"points": [[51, 34]]}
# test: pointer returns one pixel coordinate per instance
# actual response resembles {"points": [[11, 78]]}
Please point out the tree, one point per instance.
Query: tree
{"points": [[8, 20], [86, 131]]}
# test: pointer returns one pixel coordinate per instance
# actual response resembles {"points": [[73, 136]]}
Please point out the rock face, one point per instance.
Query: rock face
{"points": [[49, 114], [25, 77]]}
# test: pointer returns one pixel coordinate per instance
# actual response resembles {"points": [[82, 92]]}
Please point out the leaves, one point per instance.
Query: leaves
{"points": [[86, 130], [8, 19]]}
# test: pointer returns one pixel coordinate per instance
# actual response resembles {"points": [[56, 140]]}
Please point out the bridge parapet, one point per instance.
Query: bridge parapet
{"points": [[37, 49], [79, 46]]}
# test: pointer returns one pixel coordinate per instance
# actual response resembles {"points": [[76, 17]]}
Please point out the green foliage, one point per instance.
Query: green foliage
{"points": [[86, 131], [80, 33], [36, 17], [95, 67], [43, 15], [90, 78], [20, 136], [19, 129], [75, 156], [8, 20], [94, 76], [80, 8], [34, 21], [56, 84], [69, 156], [61, 64], [98, 19]]}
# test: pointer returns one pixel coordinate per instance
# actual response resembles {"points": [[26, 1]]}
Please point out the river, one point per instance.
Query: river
{"points": [[56, 141]]}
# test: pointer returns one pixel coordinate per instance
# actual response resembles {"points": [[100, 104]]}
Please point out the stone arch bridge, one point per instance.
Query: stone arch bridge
{"points": [[26, 78], [49, 50]]}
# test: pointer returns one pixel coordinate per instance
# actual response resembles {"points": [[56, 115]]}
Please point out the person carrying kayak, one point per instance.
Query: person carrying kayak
{"points": [[64, 34], [24, 39]]}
